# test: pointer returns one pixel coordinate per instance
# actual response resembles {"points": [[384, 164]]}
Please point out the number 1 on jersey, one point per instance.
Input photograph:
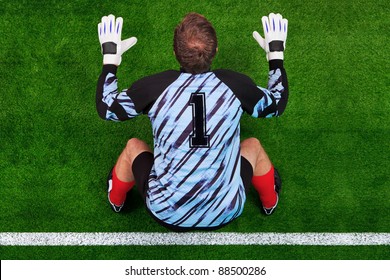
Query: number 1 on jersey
{"points": [[198, 137]]}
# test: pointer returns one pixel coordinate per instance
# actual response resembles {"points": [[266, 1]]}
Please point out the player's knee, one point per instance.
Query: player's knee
{"points": [[132, 145], [252, 142], [135, 146], [254, 150]]}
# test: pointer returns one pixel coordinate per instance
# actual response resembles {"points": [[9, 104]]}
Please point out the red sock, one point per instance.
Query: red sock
{"points": [[119, 189], [265, 186]]}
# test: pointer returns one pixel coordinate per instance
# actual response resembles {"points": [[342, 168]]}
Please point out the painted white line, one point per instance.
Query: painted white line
{"points": [[197, 238]]}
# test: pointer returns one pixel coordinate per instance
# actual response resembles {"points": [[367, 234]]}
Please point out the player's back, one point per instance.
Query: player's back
{"points": [[196, 176], [195, 180]]}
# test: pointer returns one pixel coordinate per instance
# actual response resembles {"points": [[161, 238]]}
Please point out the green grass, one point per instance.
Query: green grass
{"points": [[198, 253], [331, 145]]}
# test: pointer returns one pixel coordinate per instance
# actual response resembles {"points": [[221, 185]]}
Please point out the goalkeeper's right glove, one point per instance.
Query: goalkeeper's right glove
{"points": [[110, 31], [275, 35]]}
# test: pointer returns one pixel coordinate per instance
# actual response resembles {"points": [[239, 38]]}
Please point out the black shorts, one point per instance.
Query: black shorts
{"points": [[142, 165]]}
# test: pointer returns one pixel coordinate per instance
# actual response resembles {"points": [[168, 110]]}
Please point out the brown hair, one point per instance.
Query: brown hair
{"points": [[195, 43]]}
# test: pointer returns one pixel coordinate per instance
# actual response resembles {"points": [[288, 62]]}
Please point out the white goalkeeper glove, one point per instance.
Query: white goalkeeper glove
{"points": [[110, 31], [275, 35]]}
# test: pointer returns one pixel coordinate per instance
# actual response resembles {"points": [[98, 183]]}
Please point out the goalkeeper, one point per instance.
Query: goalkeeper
{"points": [[197, 174]]}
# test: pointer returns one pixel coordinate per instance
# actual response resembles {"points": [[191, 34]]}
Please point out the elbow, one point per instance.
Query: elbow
{"points": [[102, 110], [282, 104], [102, 116], [280, 113], [281, 110]]}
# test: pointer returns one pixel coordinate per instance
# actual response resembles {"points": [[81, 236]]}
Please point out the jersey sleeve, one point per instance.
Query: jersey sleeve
{"points": [[274, 101], [111, 103], [116, 105], [257, 101]]}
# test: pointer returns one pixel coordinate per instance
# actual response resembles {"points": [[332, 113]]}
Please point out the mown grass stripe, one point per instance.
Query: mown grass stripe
{"points": [[197, 238]]}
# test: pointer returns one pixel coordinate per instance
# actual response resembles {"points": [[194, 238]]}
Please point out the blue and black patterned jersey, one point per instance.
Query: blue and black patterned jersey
{"points": [[195, 180]]}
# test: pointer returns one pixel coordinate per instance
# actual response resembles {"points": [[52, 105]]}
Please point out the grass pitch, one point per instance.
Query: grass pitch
{"points": [[331, 146]]}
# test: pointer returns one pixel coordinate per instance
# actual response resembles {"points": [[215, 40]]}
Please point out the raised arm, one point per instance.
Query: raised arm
{"points": [[275, 96], [112, 104]]}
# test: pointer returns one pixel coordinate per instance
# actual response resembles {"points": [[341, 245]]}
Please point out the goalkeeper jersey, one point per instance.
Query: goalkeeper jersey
{"points": [[195, 180]]}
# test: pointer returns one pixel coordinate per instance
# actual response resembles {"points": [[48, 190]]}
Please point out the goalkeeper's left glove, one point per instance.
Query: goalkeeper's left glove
{"points": [[110, 31], [275, 35]]}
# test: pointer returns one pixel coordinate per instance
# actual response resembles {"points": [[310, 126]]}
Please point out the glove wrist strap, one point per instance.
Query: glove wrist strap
{"points": [[109, 48], [275, 55], [111, 59]]}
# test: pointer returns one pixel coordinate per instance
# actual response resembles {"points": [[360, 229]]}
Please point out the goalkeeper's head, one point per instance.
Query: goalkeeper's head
{"points": [[195, 43]]}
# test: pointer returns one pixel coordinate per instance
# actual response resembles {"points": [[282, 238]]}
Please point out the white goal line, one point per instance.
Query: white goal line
{"points": [[193, 238]]}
